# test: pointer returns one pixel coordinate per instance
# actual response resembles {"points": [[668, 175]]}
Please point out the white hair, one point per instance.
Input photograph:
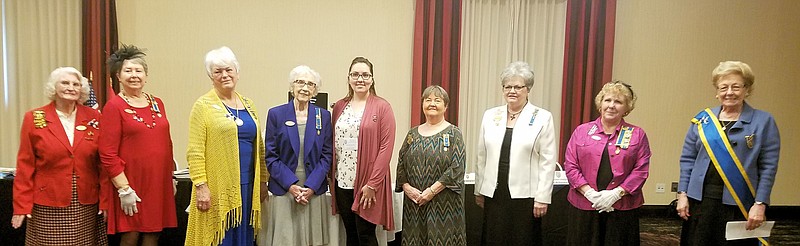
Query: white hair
{"points": [[55, 76], [222, 56], [302, 70]]}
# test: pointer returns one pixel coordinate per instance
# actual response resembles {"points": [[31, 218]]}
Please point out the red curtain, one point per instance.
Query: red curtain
{"points": [[99, 41], [588, 59], [437, 48]]}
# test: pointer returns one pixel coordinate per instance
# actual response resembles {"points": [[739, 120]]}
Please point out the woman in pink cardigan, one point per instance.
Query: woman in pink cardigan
{"points": [[364, 128]]}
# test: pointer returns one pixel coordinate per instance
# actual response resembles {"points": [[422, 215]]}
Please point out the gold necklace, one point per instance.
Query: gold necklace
{"points": [[725, 125], [513, 116]]}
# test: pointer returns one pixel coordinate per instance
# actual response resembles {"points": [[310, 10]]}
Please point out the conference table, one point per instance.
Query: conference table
{"points": [[553, 225]]}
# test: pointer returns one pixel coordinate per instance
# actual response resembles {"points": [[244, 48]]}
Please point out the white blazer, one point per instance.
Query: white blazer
{"points": [[532, 157]]}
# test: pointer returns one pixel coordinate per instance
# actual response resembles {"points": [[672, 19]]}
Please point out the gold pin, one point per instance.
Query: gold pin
{"points": [[80, 128]]}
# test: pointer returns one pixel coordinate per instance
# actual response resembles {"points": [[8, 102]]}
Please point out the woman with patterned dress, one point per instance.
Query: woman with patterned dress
{"points": [[299, 142], [136, 150], [226, 160], [364, 128], [430, 171], [59, 184]]}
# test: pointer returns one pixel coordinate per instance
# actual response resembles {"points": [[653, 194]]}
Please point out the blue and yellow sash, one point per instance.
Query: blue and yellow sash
{"points": [[725, 161]]}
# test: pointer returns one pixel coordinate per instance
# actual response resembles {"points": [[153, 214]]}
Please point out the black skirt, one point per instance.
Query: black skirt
{"points": [[588, 227]]}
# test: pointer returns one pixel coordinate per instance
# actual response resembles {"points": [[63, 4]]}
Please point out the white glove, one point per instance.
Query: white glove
{"points": [[592, 195], [607, 200], [127, 200]]}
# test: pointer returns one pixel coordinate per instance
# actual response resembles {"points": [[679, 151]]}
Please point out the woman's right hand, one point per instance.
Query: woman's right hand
{"points": [[683, 206], [17, 219], [411, 192], [479, 200], [203, 195]]}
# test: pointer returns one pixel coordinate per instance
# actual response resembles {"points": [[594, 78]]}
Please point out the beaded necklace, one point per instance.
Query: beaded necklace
{"points": [[154, 110]]}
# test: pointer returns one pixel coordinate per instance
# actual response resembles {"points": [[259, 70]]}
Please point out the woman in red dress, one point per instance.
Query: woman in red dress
{"points": [[136, 151]]}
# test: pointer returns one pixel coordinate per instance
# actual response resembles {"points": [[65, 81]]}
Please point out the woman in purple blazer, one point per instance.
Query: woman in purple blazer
{"points": [[299, 142], [607, 162]]}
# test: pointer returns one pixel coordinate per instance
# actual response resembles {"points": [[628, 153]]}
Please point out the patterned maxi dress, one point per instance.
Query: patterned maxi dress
{"points": [[422, 161]]}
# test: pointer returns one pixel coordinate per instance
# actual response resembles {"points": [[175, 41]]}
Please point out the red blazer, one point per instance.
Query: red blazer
{"points": [[375, 146], [46, 160]]}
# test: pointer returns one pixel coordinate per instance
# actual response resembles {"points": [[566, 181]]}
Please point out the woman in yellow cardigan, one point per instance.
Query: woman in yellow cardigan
{"points": [[226, 160]]}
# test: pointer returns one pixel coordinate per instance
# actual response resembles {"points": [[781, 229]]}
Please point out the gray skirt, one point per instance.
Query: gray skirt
{"points": [[291, 223]]}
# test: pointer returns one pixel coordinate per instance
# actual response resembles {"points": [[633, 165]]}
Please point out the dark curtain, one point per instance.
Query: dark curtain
{"points": [[437, 48], [99, 41], [588, 59]]}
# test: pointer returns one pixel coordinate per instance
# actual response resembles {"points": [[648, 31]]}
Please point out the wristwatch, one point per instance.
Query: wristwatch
{"points": [[759, 203]]}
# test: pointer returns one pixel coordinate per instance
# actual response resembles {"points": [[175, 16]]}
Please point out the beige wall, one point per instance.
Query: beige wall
{"points": [[667, 50], [269, 38]]}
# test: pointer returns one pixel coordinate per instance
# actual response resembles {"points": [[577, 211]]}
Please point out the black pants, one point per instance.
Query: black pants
{"points": [[509, 221], [588, 227], [706, 224], [359, 231]]}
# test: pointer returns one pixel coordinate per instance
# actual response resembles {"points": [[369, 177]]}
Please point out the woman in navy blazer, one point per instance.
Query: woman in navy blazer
{"points": [[299, 142]]}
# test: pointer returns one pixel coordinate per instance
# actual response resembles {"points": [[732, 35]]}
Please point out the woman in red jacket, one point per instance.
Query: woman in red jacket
{"points": [[364, 128], [59, 179]]}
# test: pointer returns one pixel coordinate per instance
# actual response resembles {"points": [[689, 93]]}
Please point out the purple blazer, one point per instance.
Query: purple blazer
{"points": [[630, 167], [282, 142]]}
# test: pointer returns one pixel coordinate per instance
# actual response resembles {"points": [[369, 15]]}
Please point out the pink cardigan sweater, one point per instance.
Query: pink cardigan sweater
{"points": [[375, 146]]}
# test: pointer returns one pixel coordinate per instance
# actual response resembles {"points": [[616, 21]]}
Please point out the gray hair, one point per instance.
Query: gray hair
{"points": [[50, 86], [518, 69], [303, 70], [221, 57]]}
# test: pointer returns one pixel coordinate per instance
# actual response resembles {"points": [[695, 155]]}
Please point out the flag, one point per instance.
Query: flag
{"points": [[92, 102]]}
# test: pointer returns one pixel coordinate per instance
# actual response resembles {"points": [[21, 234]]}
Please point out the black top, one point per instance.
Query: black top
{"points": [[604, 174], [505, 153], [713, 184]]}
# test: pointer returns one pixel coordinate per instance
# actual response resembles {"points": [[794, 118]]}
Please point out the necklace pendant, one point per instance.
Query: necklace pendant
{"points": [[239, 122]]}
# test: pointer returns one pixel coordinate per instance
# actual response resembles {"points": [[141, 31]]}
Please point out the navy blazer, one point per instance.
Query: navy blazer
{"points": [[760, 161], [282, 141]]}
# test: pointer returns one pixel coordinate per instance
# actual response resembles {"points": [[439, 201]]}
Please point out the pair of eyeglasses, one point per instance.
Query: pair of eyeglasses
{"points": [[508, 88], [365, 76], [734, 87], [301, 83]]}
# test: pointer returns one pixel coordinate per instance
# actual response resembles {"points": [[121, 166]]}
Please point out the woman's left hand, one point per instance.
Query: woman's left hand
{"points": [[367, 197], [103, 213], [757, 217], [427, 196], [539, 209]]}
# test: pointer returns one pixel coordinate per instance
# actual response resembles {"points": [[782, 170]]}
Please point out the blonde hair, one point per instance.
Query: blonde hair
{"points": [[734, 67], [617, 87]]}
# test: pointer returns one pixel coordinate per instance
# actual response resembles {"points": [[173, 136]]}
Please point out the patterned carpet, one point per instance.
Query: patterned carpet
{"points": [[657, 231]]}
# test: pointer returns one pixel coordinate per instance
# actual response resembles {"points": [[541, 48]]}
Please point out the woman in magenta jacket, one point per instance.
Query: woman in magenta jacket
{"points": [[607, 162], [364, 131]]}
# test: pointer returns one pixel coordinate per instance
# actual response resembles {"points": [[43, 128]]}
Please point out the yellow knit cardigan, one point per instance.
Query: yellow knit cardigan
{"points": [[213, 156]]}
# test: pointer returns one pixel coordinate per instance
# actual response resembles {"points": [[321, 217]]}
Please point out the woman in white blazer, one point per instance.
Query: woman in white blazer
{"points": [[516, 161]]}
